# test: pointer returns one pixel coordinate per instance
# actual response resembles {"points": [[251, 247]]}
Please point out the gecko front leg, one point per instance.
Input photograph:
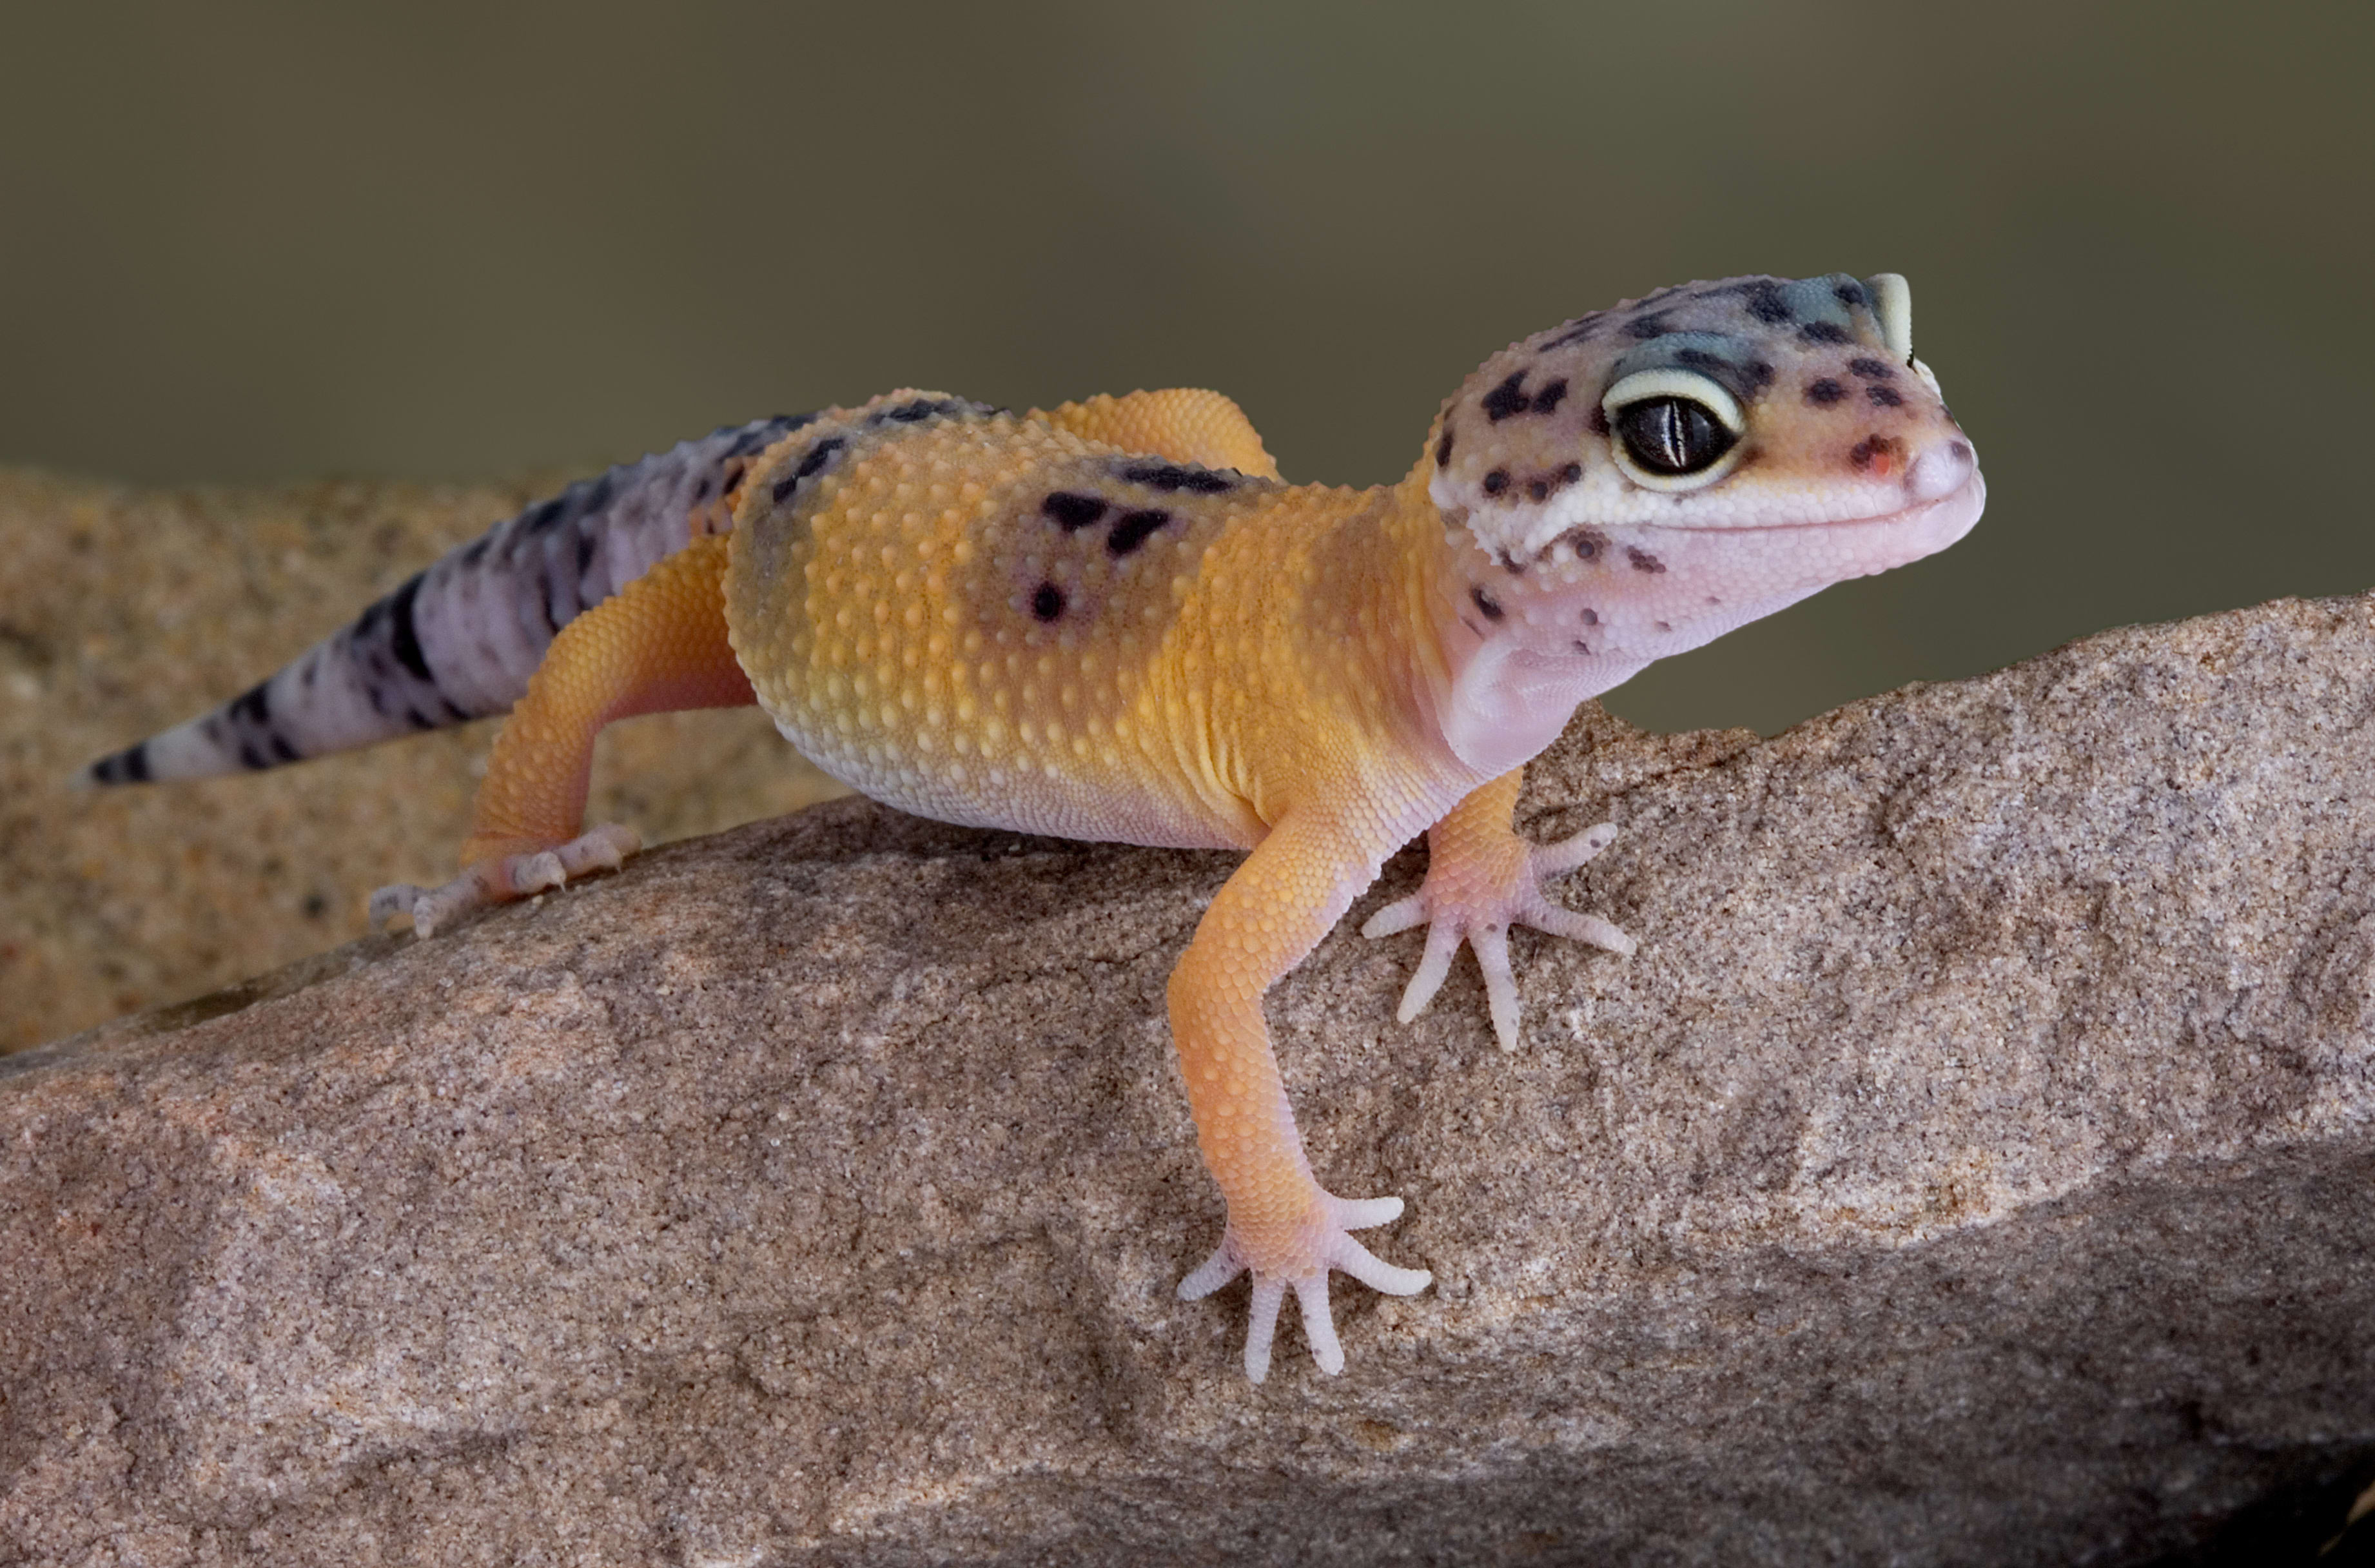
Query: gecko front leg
{"points": [[1283, 1226], [1481, 880]]}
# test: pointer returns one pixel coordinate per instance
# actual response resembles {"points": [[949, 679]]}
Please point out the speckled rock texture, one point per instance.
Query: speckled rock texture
{"points": [[123, 611], [1973, 1167]]}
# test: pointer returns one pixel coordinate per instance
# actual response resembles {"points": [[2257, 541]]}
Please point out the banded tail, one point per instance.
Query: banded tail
{"points": [[460, 640]]}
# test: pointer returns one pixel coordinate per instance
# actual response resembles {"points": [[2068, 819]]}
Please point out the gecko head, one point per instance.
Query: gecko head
{"points": [[1634, 482]]}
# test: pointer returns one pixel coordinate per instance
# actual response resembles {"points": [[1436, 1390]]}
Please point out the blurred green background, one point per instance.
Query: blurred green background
{"points": [[251, 241]]}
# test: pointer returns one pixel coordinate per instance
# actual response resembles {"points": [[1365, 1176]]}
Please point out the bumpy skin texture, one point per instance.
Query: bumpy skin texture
{"points": [[1113, 621]]}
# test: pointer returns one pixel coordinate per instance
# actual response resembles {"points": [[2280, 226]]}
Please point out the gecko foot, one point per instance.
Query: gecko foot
{"points": [[503, 878], [1325, 1247], [1476, 901]]}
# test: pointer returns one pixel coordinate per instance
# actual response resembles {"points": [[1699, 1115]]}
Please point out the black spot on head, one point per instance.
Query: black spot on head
{"points": [[1647, 327], [1587, 544], [1884, 396], [1538, 490], [1960, 448], [1047, 602], [1767, 305], [1506, 399], [1443, 449], [1872, 370], [1134, 529], [1591, 617], [1597, 420], [1576, 331], [1553, 394], [1850, 294], [1496, 481], [1824, 393], [1759, 373], [1487, 602], [406, 638], [1073, 511], [1826, 332], [1570, 474], [912, 413], [1642, 560], [1700, 359], [1870, 450]]}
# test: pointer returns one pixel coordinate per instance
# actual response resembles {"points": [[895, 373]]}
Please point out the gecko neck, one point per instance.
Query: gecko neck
{"points": [[1510, 651]]}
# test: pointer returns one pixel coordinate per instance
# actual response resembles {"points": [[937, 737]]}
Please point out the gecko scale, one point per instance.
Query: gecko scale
{"points": [[1115, 620]]}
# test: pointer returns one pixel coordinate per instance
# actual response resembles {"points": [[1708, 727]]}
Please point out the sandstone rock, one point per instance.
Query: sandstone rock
{"points": [[123, 611], [1973, 1167]]}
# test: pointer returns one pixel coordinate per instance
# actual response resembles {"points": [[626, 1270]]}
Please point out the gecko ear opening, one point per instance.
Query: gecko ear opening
{"points": [[1892, 303]]}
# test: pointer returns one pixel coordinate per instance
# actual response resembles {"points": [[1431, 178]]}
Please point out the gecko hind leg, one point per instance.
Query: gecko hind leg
{"points": [[1481, 880], [500, 879], [659, 645]]}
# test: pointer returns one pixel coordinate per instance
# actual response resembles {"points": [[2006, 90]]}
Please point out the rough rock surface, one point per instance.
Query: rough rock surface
{"points": [[123, 611], [1973, 1167]]}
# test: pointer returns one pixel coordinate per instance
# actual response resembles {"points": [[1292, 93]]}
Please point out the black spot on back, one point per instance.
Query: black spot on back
{"points": [[913, 413], [1134, 529], [1826, 332], [1824, 393], [817, 457], [1487, 602], [1173, 477], [1073, 511], [1047, 603]]}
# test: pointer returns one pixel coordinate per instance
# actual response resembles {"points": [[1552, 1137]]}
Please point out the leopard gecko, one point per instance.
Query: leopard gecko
{"points": [[1115, 620]]}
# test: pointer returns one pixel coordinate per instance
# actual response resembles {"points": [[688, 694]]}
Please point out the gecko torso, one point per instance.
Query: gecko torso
{"points": [[1115, 620]]}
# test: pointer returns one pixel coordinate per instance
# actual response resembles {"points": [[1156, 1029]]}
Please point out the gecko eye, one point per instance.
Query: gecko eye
{"points": [[1675, 429]]}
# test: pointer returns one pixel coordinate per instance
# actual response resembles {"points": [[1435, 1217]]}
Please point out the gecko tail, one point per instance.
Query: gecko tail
{"points": [[459, 641]]}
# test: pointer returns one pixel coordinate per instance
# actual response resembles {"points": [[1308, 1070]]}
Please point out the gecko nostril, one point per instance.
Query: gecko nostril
{"points": [[1940, 471]]}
